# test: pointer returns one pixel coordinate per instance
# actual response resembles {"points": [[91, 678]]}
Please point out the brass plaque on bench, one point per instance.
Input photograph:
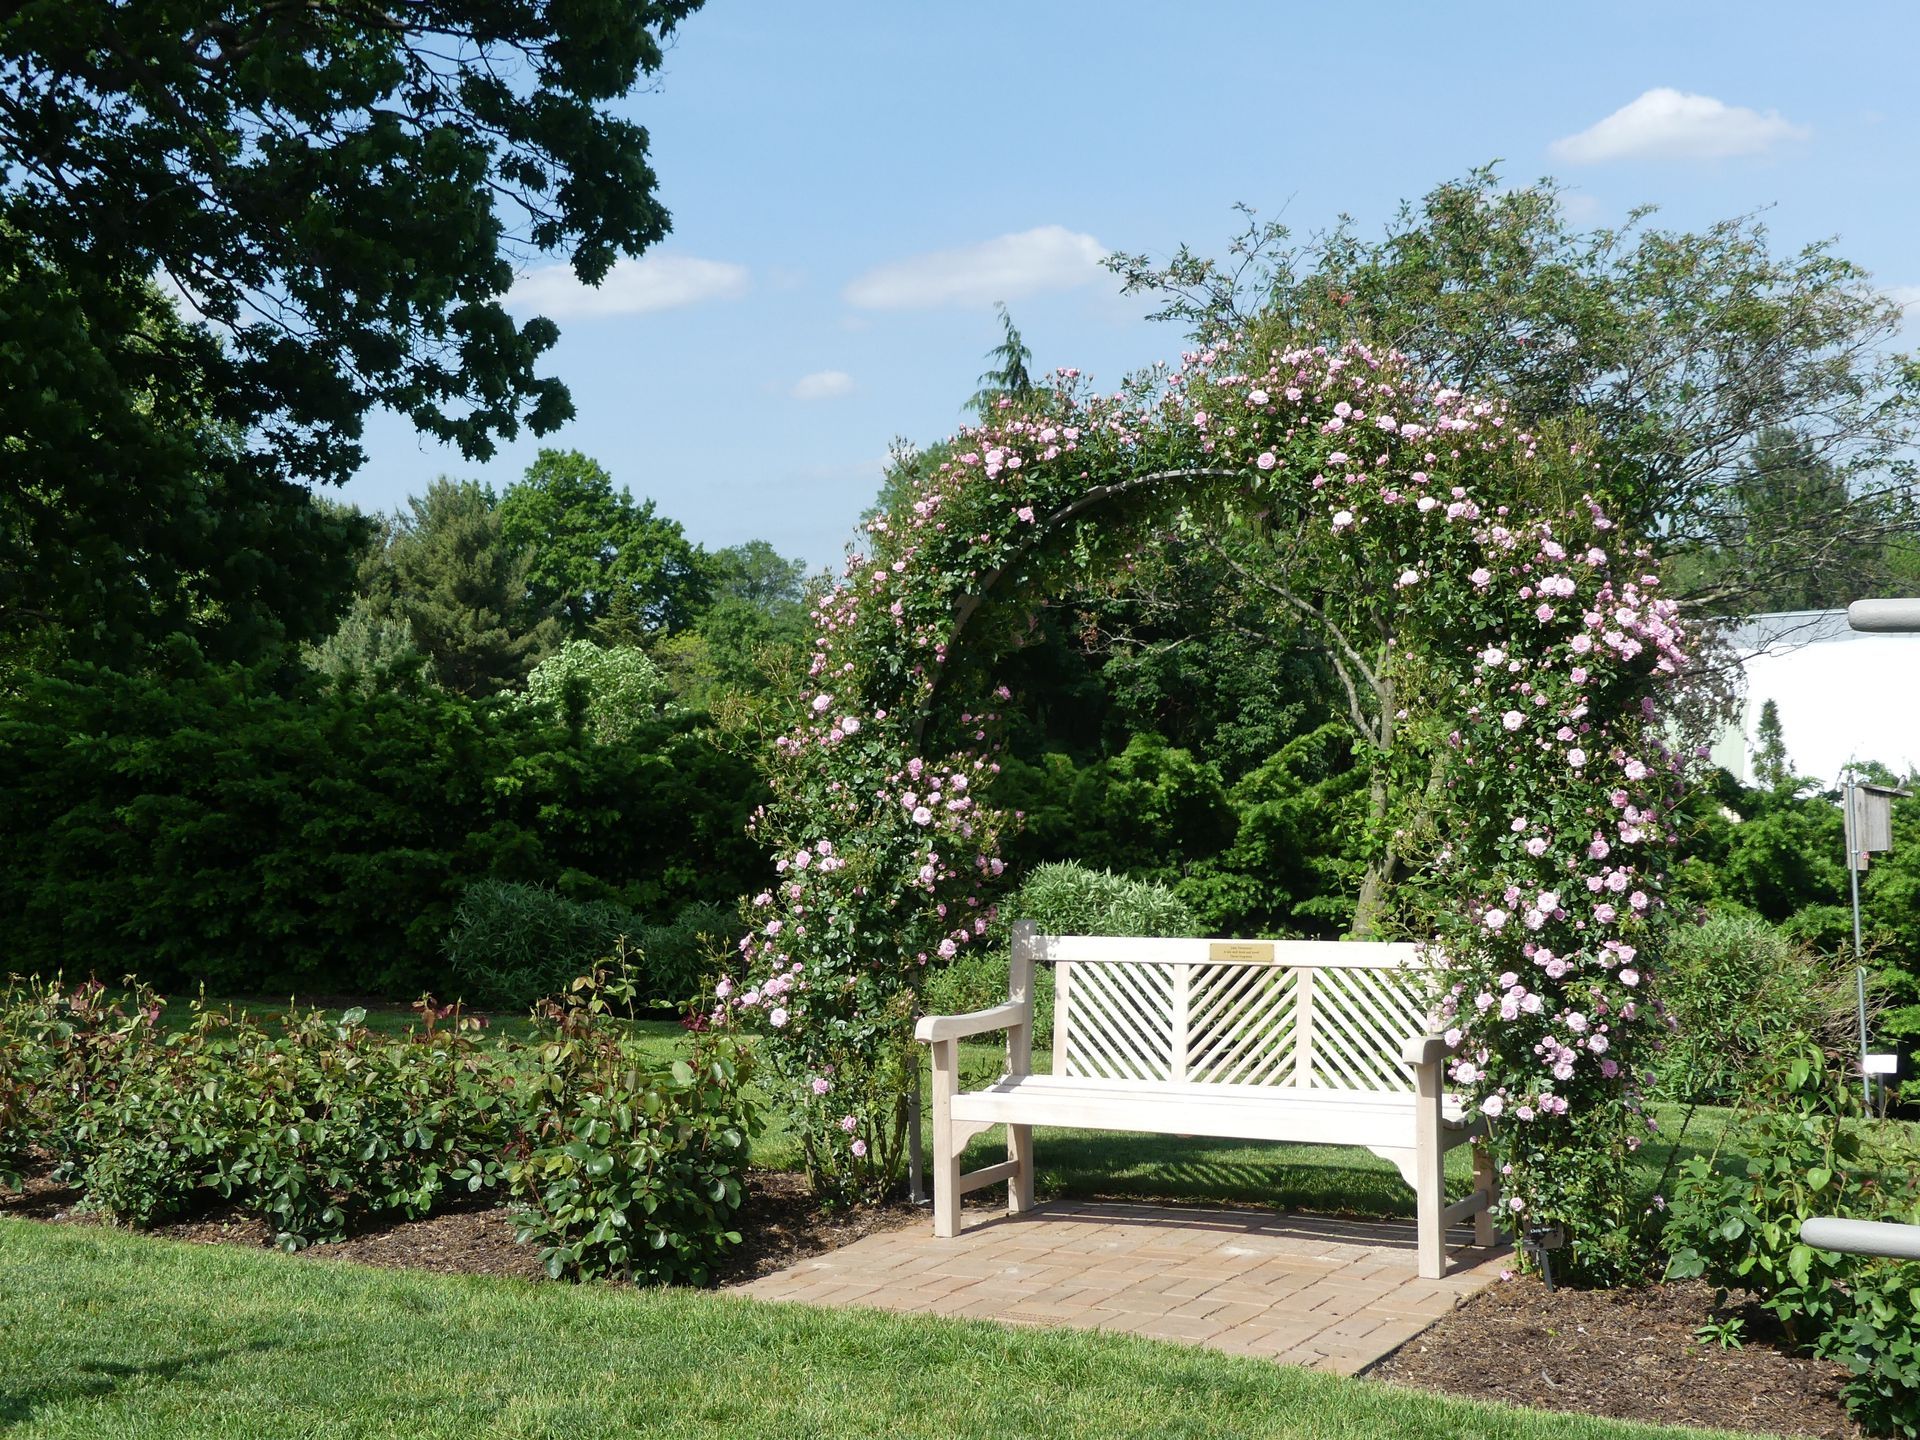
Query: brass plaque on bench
{"points": [[1244, 952]]}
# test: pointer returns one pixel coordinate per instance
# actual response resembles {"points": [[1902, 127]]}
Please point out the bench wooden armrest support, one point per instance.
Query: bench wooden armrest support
{"points": [[1421, 1050], [943, 1033], [974, 1022]]}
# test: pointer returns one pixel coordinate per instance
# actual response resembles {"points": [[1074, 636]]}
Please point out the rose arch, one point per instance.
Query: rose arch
{"points": [[1500, 646]]}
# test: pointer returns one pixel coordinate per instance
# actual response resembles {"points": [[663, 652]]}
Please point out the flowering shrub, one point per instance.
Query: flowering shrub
{"points": [[1511, 659], [1559, 787]]}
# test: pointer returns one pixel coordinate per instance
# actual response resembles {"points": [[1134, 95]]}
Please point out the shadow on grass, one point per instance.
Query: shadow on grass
{"points": [[1112, 1165], [95, 1380]]}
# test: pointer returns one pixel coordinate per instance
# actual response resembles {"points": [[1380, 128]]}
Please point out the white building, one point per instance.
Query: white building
{"points": [[1842, 696]]}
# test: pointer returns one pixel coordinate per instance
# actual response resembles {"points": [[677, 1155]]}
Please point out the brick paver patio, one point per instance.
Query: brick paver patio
{"points": [[1333, 1294]]}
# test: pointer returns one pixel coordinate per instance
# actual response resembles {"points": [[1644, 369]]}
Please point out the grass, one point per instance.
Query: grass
{"points": [[116, 1335]]}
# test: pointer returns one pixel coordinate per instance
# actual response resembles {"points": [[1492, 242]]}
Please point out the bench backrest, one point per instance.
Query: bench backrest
{"points": [[1298, 1014]]}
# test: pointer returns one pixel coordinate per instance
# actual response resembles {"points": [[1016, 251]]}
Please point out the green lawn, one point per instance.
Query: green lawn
{"points": [[107, 1334]]}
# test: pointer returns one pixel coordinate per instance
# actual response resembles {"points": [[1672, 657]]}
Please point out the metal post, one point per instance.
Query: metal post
{"points": [[1859, 963], [914, 1167]]}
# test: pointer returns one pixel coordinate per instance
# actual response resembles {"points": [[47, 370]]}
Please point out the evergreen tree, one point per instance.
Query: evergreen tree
{"points": [[455, 578], [1771, 769], [372, 646], [1007, 377]]}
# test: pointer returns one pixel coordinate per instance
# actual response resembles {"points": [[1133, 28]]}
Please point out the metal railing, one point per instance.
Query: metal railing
{"points": [[1862, 1237]]}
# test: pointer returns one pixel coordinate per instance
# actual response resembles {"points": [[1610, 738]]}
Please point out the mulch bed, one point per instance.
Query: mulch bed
{"points": [[781, 1225], [1624, 1354]]}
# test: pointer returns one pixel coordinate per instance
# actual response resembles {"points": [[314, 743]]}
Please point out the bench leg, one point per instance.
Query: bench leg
{"points": [[1429, 1168], [1020, 1183], [1429, 1200], [1486, 1181], [946, 1152]]}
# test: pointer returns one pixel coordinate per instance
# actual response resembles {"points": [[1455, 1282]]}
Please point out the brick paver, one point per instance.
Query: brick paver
{"points": [[1305, 1290]]}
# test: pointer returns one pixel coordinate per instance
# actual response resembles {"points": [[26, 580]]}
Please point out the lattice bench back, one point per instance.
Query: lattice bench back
{"points": [[1296, 1014]]}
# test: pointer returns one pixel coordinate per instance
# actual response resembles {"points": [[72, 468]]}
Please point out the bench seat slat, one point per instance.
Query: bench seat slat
{"points": [[1240, 1112]]}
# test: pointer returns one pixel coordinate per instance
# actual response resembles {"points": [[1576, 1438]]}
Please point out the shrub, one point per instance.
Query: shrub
{"points": [[332, 1125], [1062, 899], [1738, 989], [978, 981], [1070, 899], [154, 1134], [1806, 1158], [1139, 811], [613, 688], [211, 826], [1742, 1230], [1880, 1344], [680, 956], [316, 1124], [310, 1123], [511, 944], [634, 1172]]}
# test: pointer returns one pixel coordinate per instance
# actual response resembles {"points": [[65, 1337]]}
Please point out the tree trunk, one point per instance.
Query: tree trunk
{"points": [[1382, 855]]}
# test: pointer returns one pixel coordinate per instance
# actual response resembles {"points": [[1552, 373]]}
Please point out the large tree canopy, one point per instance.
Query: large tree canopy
{"points": [[129, 510], [339, 194], [602, 560], [1689, 351]]}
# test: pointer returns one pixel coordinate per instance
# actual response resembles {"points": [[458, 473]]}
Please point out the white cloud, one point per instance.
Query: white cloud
{"points": [[822, 385], [631, 287], [1668, 124], [1051, 257], [1579, 208]]}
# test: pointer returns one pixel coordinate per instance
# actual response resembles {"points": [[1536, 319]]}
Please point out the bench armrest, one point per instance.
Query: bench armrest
{"points": [[1424, 1050], [974, 1022]]}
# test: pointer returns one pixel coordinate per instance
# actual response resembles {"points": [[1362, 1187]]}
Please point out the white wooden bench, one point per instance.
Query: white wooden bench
{"points": [[1321, 1042]]}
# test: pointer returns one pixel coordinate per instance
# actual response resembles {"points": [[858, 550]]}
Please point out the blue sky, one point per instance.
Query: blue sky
{"points": [[853, 184]]}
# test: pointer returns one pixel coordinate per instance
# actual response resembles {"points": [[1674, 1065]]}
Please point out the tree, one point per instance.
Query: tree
{"points": [[130, 509], [340, 195], [1771, 524], [599, 560], [748, 638], [615, 688], [1684, 349], [1771, 769], [451, 573], [368, 650], [758, 575], [1007, 378]]}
